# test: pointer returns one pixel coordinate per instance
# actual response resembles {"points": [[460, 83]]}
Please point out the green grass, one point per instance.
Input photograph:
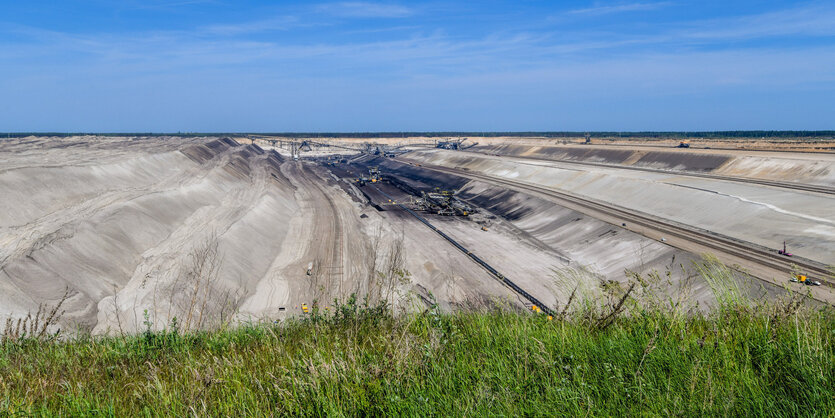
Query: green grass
{"points": [[738, 361]]}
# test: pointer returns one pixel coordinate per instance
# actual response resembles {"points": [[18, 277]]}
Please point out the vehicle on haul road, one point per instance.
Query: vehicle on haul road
{"points": [[309, 268], [801, 278]]}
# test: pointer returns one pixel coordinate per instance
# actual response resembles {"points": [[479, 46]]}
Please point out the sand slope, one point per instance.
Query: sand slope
{"points": [[118, 219]]}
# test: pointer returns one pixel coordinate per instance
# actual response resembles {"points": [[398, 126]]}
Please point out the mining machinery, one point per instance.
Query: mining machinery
{"points": [[454, 144], [443, 202], [305, 146], [373, 176]]}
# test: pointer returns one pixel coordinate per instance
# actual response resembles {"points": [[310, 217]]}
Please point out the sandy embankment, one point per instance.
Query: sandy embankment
{"points": [[114, 221], [117, 221]]}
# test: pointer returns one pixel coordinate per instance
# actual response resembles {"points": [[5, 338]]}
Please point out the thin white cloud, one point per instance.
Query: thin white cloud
{"points": [[385, 29], [805, 20], [619, 8], [264, 25], [364, 10], [811, 21], [164, 5]]}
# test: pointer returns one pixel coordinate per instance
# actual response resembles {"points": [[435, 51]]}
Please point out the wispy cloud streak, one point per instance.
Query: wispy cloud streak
{"points": [[619, 8], [364, 10], [816, 20]]}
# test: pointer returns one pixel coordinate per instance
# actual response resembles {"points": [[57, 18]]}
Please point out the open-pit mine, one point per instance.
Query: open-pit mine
{"points": [[133, 232]]}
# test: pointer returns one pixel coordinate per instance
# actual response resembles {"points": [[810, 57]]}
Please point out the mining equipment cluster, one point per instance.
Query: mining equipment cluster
{"points": [[438, 201], [381, 149], [334, 159], [454, 144], [373, 176], [797, 277], [443, 202]]}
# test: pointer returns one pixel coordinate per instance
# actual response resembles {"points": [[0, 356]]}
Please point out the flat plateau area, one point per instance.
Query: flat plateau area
{"points": [[207, 229]]}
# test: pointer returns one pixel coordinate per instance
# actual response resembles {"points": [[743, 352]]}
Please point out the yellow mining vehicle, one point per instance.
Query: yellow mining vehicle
{"points": [[802, 279]]}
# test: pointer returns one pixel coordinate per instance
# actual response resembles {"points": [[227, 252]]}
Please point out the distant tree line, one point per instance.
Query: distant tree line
{"points": [[566, 134]]}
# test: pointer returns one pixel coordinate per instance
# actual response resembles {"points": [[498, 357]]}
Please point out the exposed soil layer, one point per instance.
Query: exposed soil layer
{"points": [[682, 161], [692, 161], [817, 169], [763, 215]]}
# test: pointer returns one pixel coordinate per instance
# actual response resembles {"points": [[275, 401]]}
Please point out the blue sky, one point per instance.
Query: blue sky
{"points": [[223, 65]]}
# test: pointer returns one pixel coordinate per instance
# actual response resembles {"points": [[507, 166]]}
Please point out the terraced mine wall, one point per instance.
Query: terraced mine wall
{"points": [[762, 215], [579, 241], [816, 169]]}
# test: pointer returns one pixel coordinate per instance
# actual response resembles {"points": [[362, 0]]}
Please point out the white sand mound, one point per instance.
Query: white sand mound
{"points": [[116, 221]]}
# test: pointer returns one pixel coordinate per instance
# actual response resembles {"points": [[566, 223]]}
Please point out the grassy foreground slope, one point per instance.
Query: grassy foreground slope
{"points": [[737, 360]]}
